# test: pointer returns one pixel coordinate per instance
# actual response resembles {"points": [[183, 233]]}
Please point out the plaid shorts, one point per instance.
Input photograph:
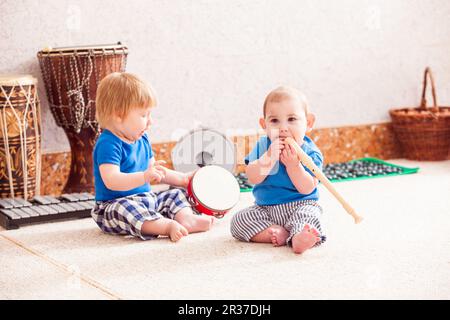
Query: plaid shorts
{"points": [[125, 216], [293, 216]]}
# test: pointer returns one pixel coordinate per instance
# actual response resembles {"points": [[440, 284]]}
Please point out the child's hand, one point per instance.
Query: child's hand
{"points": [[289, 157], [155, 173], [275, 149], [187, 177]]}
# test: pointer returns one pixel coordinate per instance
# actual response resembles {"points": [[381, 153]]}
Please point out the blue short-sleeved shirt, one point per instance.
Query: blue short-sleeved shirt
{"points": [[278, 188], [130, 157]]}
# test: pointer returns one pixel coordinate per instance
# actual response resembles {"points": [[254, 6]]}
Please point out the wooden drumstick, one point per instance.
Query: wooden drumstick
{"points": [[307, 161]]}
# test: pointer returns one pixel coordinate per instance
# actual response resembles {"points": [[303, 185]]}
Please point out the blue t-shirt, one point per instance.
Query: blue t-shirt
{"points": [[130, 157], [278, 188]]}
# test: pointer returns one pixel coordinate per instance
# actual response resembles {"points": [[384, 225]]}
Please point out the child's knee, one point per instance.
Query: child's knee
{"points": [[236, 224], [238, 218]]}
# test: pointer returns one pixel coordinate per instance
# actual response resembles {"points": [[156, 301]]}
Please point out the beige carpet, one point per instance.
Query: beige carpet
{"points": [[400, 251]]}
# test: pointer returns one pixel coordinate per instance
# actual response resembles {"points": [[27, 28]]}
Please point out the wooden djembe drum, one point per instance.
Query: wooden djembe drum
{"points": [[71, 77], [20, 137]]}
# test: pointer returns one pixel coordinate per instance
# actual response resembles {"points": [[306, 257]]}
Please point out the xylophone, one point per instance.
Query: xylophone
{"points": [[17, 212]]}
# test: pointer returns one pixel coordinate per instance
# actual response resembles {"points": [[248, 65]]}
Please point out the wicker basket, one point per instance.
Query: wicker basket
{"points": [[423, 133]]}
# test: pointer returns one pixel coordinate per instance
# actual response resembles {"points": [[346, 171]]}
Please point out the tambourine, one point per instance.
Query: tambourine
{"points": [[213, 190]]}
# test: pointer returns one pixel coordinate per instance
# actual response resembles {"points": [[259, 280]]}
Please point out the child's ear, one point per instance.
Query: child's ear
{"points": [[118, 119], [262, 123], [310, 120]]}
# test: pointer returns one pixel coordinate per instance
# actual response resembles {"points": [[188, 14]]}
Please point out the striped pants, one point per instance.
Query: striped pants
{"points": [[293, 216]]}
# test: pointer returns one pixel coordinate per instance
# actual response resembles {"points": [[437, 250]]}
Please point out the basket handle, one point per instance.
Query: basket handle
{"points": [[423, 103]]}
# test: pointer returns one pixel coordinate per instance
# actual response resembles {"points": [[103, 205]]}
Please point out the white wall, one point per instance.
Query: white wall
{"points": [[213, 61]]}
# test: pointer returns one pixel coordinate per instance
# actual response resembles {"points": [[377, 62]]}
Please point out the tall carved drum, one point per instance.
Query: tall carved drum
{"points": [[20, 138], [71, 77]]}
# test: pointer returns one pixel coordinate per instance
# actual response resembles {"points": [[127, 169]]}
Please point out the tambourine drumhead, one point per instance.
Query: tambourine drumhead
{"points": [[203, 147], [17, 80], [215, 188]]}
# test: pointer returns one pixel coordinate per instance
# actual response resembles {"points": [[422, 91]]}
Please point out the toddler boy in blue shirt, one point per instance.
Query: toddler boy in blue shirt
{"points": [[124, 167], [287, 209]]}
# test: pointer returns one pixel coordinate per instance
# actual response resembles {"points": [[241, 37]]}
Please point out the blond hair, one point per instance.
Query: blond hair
{"points": [[286, 93], [118, 93]]}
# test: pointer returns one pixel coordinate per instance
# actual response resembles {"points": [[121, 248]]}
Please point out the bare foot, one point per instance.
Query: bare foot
{"points": [[279, 236], [195, 223], [305, 239], [176, 231]]}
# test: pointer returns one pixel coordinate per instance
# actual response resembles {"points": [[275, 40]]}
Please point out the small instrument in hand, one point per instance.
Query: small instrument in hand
{"points": [[307, 161], [213, 190]]}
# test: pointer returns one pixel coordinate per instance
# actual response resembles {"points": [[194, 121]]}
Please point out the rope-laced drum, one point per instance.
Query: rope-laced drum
{"points": [[20, 138], [71, 76]]}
